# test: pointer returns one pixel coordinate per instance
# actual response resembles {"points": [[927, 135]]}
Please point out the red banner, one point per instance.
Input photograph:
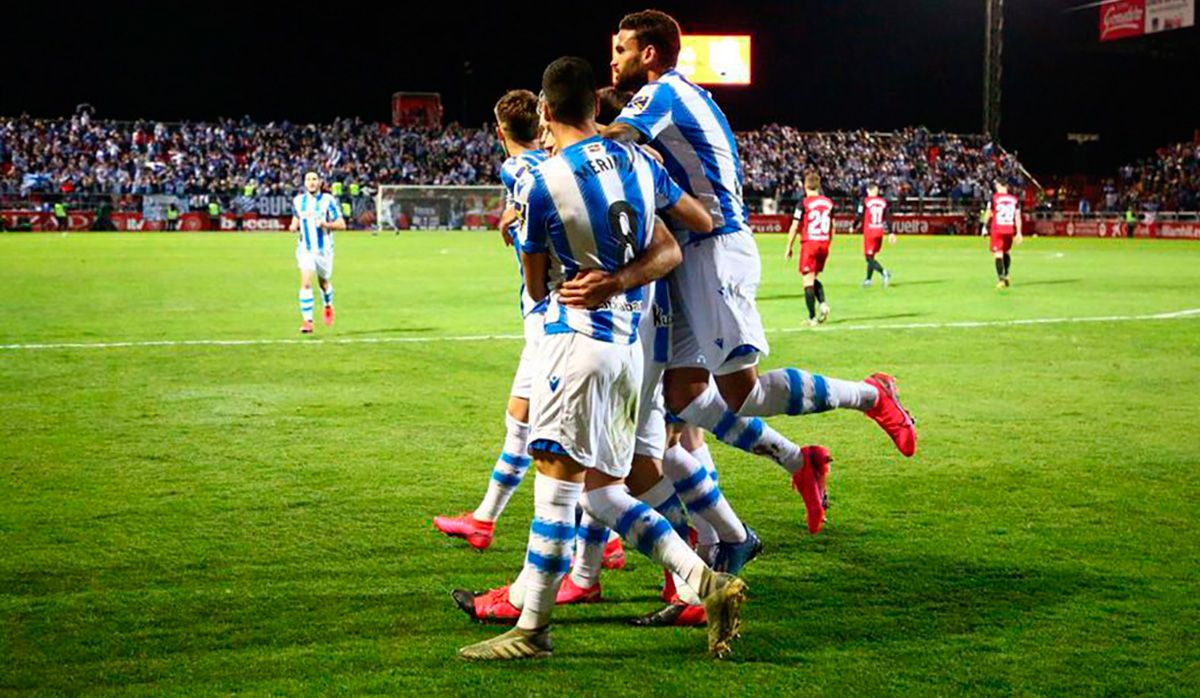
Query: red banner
{"points": [[132, 221], [902, 223], [1122, 19], [1113, 228]]}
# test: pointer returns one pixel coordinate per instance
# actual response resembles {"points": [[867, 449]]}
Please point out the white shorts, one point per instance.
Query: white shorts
{"points": [[717, 326], [652, 424], [522, 384], [322, 264], [585, 400]]}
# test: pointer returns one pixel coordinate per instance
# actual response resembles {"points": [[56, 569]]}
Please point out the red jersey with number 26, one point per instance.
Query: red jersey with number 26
{"points": [[1004, 214], [815, 214]]}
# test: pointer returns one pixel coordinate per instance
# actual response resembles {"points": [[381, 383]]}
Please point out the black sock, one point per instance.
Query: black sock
{"points": [[1000, 267], [870, 267], [1007, 263], [810, 299], [878, 266], [820, 289]]}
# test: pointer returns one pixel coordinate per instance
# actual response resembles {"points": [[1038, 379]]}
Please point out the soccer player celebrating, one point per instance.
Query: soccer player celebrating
{"points": [[315, 216], [875, 219], [814, 216], [719, 332], [1005, 225], [589, 212], [517, 127]]}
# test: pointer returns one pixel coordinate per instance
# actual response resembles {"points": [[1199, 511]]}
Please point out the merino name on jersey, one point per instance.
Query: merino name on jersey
{"points": [[592, 206]]}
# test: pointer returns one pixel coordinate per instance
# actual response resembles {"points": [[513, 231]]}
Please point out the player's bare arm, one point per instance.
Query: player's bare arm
{"points": [[692, 214], [506, 220], [1019, 238], [791, 241], [622, 132], [294, 226], [593, 287], [337, 224]]}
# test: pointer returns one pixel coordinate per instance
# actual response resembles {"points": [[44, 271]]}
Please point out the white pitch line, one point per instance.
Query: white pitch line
{"points": [[967, 324]]}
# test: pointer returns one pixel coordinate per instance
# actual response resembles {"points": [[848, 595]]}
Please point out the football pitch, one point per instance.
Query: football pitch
{"points": [[194, 499]]}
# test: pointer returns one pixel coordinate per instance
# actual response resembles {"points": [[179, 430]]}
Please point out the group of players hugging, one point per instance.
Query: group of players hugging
{"points": [[642, 332]]}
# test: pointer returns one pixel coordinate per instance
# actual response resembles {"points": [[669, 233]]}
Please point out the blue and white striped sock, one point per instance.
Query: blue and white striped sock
{"points": [[666, 502], [591, 537], [508, 472], [327, 296], [306, 303], [644, 528], [548, 556], [794, 392], [700, 492], [749, 434]]}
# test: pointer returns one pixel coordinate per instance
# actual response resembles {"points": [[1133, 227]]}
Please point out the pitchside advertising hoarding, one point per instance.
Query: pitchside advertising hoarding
{"points": [[1122, 19]]}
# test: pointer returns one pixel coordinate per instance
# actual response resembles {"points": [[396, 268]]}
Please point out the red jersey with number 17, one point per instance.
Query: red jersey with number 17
{"points": [[873, 220], [815, 214], [1004, 214]]}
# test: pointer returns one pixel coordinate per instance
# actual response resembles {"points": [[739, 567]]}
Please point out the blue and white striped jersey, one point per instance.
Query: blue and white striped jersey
{"points": [[592, 206], [310, 210], [510, 172], [683, 123]]}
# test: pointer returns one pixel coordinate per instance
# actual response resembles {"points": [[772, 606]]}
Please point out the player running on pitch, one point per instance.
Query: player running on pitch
{"points": [[813, 221], [315, 216], [874, 220]]}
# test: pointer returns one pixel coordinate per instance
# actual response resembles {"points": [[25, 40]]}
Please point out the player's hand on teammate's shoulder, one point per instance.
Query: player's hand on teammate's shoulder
{"points": [[588, 289], [654, 154]]}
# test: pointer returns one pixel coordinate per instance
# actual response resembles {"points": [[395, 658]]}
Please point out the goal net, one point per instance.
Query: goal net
{"points": [[407, 207]]}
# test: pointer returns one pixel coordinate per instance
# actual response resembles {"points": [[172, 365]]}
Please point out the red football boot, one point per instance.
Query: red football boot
{"points": [[668, 588], [328, 316], [614, 555], [891, 416], [809, 481], [487, 606], [478, 533], [570, 592]]}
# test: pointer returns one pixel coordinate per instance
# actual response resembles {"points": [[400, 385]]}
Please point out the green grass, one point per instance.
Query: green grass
{"points": [[210, 519]]}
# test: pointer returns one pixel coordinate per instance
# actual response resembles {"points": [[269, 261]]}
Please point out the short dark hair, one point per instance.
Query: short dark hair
{"points": [[657, 29], [612, 101], [570, 88], [517, 114]]}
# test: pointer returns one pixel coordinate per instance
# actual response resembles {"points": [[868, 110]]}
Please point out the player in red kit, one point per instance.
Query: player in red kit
{"points": [[1005, 226], [874, 219], [814, 222]]}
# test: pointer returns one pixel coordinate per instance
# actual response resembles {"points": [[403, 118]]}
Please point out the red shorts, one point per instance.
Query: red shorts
{"points": [[872, 244], [813, 256], [1001, 243]]}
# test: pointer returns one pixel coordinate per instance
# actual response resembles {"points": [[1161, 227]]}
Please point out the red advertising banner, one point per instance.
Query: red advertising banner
{"points": [[1121, 19], [125, 221], [902, 223], [1113, 228]]}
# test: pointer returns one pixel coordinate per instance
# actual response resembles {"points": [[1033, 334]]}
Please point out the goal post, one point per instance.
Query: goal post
{"points": [[413, 207]]}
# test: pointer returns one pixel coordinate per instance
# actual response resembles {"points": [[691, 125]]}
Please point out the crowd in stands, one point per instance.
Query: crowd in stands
{"points": [[913, 162], [84, 155]]}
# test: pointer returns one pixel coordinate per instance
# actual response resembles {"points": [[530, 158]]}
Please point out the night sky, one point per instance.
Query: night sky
{"points": [[819, 64]]}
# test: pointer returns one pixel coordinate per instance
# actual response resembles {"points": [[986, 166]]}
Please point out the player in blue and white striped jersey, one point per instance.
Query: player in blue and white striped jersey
{"points": [[718, 331], [517, 127], [315, 216], [589, 211]]}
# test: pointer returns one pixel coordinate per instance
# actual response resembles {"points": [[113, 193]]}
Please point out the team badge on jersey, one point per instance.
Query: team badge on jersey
{"points": [[639, 103]]}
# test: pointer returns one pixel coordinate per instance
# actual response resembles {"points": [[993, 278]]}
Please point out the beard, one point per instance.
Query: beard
{"points": [[631, 82]]}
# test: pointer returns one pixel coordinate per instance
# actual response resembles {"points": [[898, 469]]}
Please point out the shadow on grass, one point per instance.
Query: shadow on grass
{"points": [[876, 599]]}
